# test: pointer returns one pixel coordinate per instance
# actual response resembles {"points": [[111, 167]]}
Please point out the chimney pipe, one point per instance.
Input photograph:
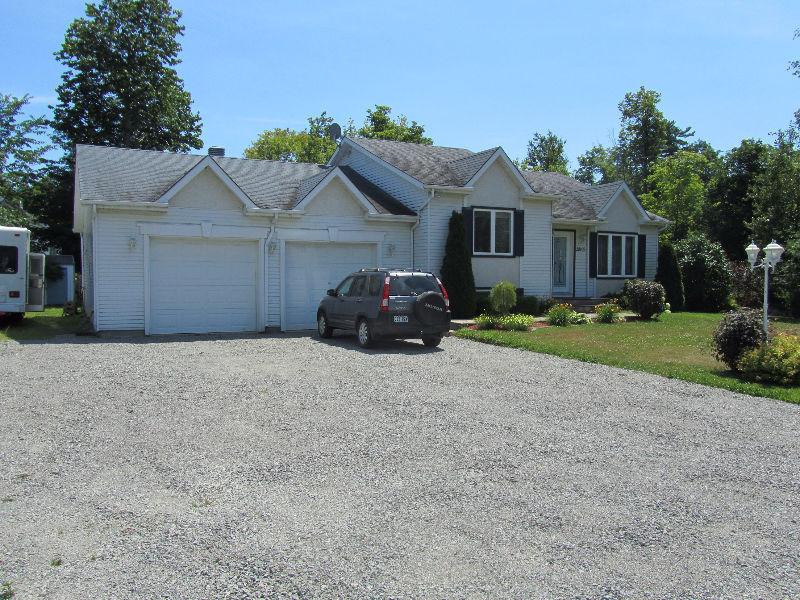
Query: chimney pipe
{"points": [[216, 151]]}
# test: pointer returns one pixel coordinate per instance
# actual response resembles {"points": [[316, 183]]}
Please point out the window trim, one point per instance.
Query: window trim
{"points": [[492, 231], [623, 235]]}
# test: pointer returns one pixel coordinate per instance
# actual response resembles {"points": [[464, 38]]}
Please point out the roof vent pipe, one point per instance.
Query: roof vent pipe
{"points": [[216, 151]]}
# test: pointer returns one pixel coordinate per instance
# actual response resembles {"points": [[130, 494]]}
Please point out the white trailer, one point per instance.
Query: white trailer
{"points": [[21, 274]]}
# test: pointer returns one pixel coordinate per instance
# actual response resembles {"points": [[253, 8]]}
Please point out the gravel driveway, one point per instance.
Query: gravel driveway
{"points": [[285, 466]]}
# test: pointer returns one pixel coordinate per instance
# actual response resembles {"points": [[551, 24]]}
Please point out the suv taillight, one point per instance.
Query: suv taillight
{"points": [[385, 295], [444, 293]]}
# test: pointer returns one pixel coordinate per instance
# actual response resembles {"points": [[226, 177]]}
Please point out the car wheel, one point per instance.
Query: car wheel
{"points": [[431, 342], [364, 334], [324, 330]]}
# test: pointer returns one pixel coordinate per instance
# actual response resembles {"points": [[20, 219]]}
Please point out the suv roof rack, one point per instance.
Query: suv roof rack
{"points": [[398, 269]]}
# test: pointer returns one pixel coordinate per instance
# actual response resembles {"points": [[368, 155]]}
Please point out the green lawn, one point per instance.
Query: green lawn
{"points": [[679, 345], [40, 326]]}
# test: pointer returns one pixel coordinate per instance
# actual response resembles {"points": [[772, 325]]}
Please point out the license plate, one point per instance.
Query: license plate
{"points": [[401, 319]]}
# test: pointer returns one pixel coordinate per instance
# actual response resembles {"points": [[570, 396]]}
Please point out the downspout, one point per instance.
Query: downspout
{"points": [[433, 192], [266, 267]]}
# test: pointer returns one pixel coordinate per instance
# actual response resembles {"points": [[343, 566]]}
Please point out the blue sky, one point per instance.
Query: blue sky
{"points": [[476, 74]]}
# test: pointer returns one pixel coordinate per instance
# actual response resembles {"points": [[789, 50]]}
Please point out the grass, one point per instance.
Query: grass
{"points": [[678, 345], [40, 325]]}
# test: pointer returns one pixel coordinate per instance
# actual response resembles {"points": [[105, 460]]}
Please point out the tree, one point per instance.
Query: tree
{"points": [[546, 153], [729, 207], [597, 165], [794, 67], [310, 145], [457, 275], [705, 272], [678, 191], [645, 136], [380, 125], [22, 157], [668, 274], [120, 86]]}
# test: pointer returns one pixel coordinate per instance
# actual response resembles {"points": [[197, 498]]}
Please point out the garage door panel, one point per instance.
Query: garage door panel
{"points": [[312, 269], [200, 285]]}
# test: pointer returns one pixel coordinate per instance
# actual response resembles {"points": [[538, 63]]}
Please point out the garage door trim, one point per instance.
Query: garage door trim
{"points": [[341, 239], [255, 234]]}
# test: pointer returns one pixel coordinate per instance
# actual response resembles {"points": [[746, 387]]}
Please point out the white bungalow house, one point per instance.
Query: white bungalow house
{"points": [[185, 243]]}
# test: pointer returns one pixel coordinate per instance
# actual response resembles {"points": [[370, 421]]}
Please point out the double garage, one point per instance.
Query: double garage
{"points": [[208, 285]]}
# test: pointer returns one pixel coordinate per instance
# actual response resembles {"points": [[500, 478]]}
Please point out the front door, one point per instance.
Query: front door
{"points": [[563, 262]]}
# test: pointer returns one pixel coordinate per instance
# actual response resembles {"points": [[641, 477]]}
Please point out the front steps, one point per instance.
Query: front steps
{"points": [[582, 305]]}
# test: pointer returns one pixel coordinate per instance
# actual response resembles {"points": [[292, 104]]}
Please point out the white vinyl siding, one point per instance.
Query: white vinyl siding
{"points": [[536, 265]]}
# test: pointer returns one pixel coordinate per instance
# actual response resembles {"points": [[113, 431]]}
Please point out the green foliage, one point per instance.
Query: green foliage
{"points": [[22, 156], [380, 125], [775, 362], [456, 270], [503, 297], [51, 199], [608, 312], [786, 278], [517, 322], [737, 332], [645, 298], [678, 190], [561, 315], [597, 165], [487, 321], [668, 274], [528, 305], [6, 591], [705, 271], [577, 318], [546, 153], [120, 86], [747, 284], [311, 145]]}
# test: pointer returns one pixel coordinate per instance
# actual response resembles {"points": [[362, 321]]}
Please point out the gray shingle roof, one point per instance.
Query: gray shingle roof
{"points": [[383, 202], [547, 182], [126, 175]]}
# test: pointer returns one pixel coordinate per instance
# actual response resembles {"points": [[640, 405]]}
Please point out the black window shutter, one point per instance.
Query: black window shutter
{"points": [[467, 212], [519, 232], [592, 254], [641, 255]]}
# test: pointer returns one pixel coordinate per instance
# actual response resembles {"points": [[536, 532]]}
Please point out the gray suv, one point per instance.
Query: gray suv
{"points": [[387, 303]]}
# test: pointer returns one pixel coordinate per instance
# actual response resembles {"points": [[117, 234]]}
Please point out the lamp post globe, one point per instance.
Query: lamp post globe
{"points": [[773, 250], [752, 253]]}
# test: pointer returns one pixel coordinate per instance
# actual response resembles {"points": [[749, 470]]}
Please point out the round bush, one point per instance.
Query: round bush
{"points": [[560, 315], [646, 298], [668, 274], [607, 313], [503, 297], [739, 331], [705, 271], [775, 362]]}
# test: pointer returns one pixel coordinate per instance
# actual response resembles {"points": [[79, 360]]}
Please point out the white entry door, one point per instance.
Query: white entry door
{"points": [[563, 262], [202, 286], [311, 269]]}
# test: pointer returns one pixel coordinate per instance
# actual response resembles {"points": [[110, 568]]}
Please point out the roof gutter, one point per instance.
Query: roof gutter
{"points": [[452, 189]]}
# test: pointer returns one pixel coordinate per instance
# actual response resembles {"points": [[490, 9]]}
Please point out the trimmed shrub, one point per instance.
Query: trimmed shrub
{"points": [[577, 318], [739, 331], [560, 315], [705, 271], [775, 362], [528, 305], [456, 272], [503, 297], [487, 321], [517, 322], [607, 312], [669, 275], [645, 298]]}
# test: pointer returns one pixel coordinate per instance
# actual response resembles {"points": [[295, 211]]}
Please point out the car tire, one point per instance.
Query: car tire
{"points": [[323, 329], [431, 342], [364, 334]]}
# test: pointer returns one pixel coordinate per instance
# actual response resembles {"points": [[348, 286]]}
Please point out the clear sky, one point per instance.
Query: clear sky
{"points": [[476, 74]]}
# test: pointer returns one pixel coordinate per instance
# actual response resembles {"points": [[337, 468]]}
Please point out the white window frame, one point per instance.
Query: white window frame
{"points": [[623, 274], [492, 228]]}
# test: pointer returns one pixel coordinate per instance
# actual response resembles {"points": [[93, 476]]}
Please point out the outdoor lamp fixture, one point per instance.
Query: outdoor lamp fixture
{"points": [[772, 256]]}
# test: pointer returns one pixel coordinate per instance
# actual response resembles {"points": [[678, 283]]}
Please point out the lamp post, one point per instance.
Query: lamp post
{"points": [[772, 256]]}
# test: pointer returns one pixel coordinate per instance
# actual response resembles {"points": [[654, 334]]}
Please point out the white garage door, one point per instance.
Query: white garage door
{"points": [[202, 286], [312, 269]]}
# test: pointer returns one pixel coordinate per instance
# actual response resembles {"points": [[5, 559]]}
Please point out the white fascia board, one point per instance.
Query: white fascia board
{"points": [[412, 180], [501, 155], [125, 205], [210, 163], [577, 221], [272, 212], [393, 218], [631, 197], [336, 173], [451, 189], [542, 197]]}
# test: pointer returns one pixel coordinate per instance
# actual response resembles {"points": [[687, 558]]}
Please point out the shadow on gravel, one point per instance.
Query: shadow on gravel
{"points": [[347, 341]]}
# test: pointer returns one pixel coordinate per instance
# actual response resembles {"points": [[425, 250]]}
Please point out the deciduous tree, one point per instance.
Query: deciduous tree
{"points": [[546, 153]]}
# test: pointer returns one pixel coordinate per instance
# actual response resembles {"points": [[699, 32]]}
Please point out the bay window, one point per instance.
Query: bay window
{"points": [[616, 255], [493, 232]]}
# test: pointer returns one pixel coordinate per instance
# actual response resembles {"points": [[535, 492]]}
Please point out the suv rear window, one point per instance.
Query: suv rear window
{"points": [[412, 285], [9, 259]]}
